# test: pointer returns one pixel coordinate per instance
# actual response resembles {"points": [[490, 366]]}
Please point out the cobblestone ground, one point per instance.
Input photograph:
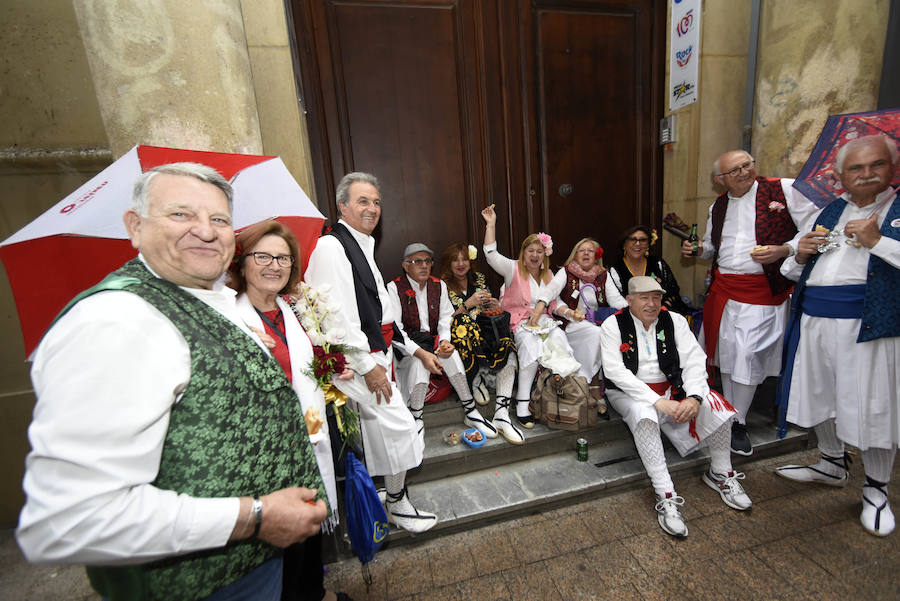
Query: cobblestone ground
{"points": [[798, 542]]}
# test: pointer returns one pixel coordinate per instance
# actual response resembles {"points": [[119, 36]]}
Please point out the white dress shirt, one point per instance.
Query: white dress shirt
{"points": [[406, 345], [106, 376], [739, 228]]}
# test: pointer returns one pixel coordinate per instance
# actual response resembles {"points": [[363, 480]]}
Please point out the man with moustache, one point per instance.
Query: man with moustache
{"points": [[744, 315], [842, 348], [426, 311], [656, 380], [344, 261], [133, 469]]}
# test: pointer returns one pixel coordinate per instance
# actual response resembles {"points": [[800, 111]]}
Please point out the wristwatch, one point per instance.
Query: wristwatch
{"points": [[697, 398], [791, 250]]}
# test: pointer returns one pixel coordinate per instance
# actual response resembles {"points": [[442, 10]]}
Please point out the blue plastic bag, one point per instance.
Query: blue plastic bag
{"points": [[367, 523]]}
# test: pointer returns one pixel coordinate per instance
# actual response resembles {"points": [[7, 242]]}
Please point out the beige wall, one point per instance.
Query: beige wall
{"points": [[705, 129], [820, 58], [88, 79], [815, 58]]}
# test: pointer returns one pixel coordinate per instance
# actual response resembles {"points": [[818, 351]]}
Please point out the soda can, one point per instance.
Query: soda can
{"points": [[581, 447]]}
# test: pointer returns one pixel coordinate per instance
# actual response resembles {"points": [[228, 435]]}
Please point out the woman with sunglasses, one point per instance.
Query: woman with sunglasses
{"points": [[635, 259]]}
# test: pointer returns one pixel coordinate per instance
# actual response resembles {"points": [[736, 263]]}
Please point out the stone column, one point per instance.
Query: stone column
{"points": [[171, 73]]}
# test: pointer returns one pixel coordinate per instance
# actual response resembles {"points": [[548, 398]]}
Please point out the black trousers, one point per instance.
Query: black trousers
{"points": [[304, 574]]}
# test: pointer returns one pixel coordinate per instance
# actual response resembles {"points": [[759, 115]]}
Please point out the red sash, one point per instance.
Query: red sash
{"points": [[387, 332], [661, 388], [749, 288]]}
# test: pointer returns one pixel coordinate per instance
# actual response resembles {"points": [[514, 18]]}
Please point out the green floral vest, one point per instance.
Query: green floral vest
{"points": [[238, 430]]}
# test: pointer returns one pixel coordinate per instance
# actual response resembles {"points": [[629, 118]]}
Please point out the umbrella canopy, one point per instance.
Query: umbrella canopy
{"points": [[82, 238], [817, 180]]}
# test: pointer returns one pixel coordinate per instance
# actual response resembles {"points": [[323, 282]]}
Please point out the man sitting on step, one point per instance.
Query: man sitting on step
{"points": [[426, 312], [656, 380]]}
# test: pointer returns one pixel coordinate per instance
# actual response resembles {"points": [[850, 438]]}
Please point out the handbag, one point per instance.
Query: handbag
{"points": [[366, 520], [595, 316], [494, 328], [563, 403]]}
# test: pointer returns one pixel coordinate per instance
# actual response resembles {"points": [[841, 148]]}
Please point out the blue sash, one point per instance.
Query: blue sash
{"points": [[836, 302]]}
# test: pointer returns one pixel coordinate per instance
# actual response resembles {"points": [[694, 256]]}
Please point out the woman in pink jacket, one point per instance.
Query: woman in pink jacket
{"points": [[526, 281]]}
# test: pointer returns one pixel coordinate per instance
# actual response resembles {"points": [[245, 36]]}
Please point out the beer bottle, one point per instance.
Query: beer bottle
{"points": [[695, 247]]}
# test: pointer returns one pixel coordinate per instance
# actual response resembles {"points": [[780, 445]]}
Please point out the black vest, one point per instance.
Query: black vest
{"points": [[368, 304], [666, 349]]}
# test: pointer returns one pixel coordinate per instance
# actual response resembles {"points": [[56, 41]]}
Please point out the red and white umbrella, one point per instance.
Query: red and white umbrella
{"points": [[74, 244]]}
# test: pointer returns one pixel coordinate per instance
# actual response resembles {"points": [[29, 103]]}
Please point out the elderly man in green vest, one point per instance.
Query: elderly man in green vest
{"points": [[169, 453]]}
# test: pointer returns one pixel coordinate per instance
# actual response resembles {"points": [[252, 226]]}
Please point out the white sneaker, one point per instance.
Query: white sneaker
{"points": [[876, 517], [670, 518], [729, 489], [402, 513], [831, 471]]}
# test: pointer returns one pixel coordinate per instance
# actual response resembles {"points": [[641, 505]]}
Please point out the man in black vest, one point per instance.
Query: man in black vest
{"points": [[425, 314], [344, 261], [656, 380]]}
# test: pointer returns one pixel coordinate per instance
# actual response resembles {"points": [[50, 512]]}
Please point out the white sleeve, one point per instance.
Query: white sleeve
{"points": [[887, 249], [802, 210], [446, 317], [552, 290], [502, 265], [614, 298], [106, 376], [328, 265], [691, 358], [708, 249], [614, 367], [404, 344]]}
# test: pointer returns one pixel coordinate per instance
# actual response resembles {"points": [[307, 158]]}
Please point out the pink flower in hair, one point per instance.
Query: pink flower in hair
{"points": [[547, 243]]}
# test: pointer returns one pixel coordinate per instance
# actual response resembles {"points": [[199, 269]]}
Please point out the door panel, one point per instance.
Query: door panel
{"points": [[456, 104], [594, 115]]}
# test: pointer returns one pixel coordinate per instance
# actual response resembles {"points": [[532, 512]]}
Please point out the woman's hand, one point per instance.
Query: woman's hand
{"points": [[482, 296], [266, 339], [490, 217], [347, 374], [536, 313]]}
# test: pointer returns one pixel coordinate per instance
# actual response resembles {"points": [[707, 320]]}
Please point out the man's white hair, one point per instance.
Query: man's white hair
{"points": [[140, 198], [716, 171], [861, 142], [342, 193]]}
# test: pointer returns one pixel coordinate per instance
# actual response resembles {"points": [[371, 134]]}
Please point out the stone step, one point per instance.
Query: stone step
{"points": [[501, 481]]}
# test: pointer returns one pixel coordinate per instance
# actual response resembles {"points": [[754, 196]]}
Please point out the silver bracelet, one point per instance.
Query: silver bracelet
{"points": [[256, 511]]}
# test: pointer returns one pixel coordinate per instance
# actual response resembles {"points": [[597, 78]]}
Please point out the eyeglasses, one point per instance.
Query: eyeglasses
{"points": [[637, 241], [263, 259], [745, 167], [418, 262]]}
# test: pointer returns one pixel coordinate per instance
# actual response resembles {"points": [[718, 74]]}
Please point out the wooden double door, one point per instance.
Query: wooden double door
{"points": [[546, 108]]}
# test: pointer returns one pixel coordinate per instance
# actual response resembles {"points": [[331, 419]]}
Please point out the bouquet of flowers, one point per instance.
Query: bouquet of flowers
{"points": [[323, 326]]}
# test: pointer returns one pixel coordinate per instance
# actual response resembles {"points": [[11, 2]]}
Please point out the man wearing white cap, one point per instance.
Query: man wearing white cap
{"points": [[656, 380], [425, 311]]}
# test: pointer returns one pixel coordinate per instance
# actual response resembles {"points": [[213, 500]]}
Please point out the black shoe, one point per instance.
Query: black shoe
{"points": [[740, 440]]}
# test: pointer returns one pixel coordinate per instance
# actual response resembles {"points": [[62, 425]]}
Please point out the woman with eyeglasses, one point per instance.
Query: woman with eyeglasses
{"points": [[527, 281], [583, 285], [635, 259], [266, 266]]}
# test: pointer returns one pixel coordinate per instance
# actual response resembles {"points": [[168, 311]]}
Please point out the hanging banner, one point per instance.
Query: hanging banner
{"points": [[684, 53]]}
